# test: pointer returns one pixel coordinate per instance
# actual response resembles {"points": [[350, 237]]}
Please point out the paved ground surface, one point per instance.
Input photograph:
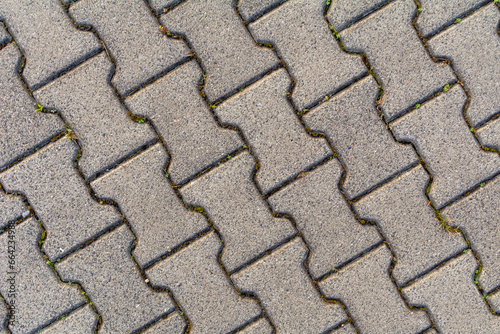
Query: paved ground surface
{"points": [[251, 166]]}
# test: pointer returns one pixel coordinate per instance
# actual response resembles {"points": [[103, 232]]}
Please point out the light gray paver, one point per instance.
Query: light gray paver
{"points": [[406, 71], [90, 107], [59, 197], [11, 209], [489, 135], [81, 321], [159, 6], [261, 326], [173, 324], [157, 216], [453, 301], [4, 35], [182, 118], [345, 329], [324, 219], [276, 137], [404, 216], [4, 313], [237, 210], [286, 291], [360, 138], [202, 288], [342, 13], [251, 9], [431, 331], [311, 53], [494, 301], [365, 288]]}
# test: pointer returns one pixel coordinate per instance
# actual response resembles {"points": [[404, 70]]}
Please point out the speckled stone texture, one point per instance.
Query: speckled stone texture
{"points": [[83, 320], [251, 9], [494, 301], [489, 135], [345, 329], [11, 209], [4, 314], [173, 324], [261, 326], [4, 36], [343, 13]]}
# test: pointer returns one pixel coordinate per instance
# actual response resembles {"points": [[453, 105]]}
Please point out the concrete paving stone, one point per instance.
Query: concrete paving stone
{"points": [[402, 212], [261, 326], [202, 288], [49, 40], [160, 6], [101, 123], [237, 210], [81, 321], [473, 46], [4, 35], [227, 52], [369, 152], [372, 299], [4, 314], [489, 135], [286, 291], [173, 324], [22, 127], [29, 284], [108, 274], [324, 219], [182, 118], [269, 124], [494, 301], [313, 57], [251, 9], [345, 329], [452, 299], [59, 197], [431, 331], [135, 42], [157, 216], [401, 63], [448, 147], [343, 13], [11, 209]]}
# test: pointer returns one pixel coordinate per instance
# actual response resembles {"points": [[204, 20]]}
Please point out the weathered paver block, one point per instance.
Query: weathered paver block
{"points": [[202, 288], [4, 36], [494, 301], [251, 9], [83, 321], [49, 40], [442, 138], [270, 125], [371, 298], [312, 55], [324, 219], [261, 326], [402, 212], [181, 116], [473, 46], [11, 209], [345, 329], [237, 210], [369, 152], [489, 135], [59, 197], [230, 60], [173, 324], [146, 198], [281, 282], [345, 12], [4, 314], [406, 71], [453, 301], [135, 42], [38, 296], [92, 110]]}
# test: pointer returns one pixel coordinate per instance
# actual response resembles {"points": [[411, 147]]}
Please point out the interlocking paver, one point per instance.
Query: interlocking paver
{"points": [[237, 210], [251, 9], [453, 301], [202, 288], [406, 71], [489, 135], [4, 314], [100, 122], [324, 218], [494, 301], [83, 321], [281, 282], [261, 326], [4, 35], [49, 40], [173, 324], [345, 329], [135, 42], [442, 138], [160, 6], [369, 153], [473, 46], [365, 288], [182, 118], [146, 198], [11, 209], [311, 53], [59, 197], [342, 13]]}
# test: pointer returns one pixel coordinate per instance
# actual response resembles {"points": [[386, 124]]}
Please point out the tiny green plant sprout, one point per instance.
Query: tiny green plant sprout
{"points": [[446, 88], [417, 106], [458, 20], [482, 184], [420, 10], [39, 107]]}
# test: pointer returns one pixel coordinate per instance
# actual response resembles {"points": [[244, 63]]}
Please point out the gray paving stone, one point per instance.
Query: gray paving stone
{"points": [[494, 301], [343, 13], [49, 40], [173, 324], [372, 299], [345, 329], [269, 124], [4, 35], [22, 127], [59, 197], [100, 122], [160, 6], [313, 57], [473, 46], [442, 138], [182, 118], [237, 210], [201, 287], [369, 152], [11, 209], [81, 321], [406, 71], [489, 135], [230, 60], [261, 326], [431, 331], [251, 9], [324, 219], [401, 211], [108, 274], [157, 216], [452, 299], [135, 42], [4, 314], [287, 294], [38, 296]]}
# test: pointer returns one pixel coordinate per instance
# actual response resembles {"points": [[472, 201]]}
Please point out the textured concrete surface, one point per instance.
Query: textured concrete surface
{"points": [[11, 209], [343, 13], [494, 301], [83, 320], [489, 135], [4, 36], [261, 326], [173, 324], [250, 9]]}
